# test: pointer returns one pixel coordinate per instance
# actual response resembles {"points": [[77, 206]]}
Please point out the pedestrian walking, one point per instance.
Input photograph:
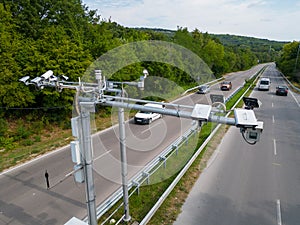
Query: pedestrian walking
{"points": [[47, 179]]}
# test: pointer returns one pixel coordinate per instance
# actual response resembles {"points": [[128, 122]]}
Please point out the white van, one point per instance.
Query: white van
{"points": [[264, 84], [147, 117]]}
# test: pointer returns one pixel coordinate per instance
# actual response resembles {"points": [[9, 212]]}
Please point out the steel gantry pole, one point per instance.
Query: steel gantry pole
{"points": [[124, 171], [87, 159]]}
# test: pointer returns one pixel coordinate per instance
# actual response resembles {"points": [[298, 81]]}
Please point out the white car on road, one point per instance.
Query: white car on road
{"points": [[264, 84], [148, 117]]}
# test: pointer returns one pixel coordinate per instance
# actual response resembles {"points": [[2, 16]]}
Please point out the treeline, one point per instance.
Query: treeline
{"points": [[265, 50], [66, 37], [289, 61]]}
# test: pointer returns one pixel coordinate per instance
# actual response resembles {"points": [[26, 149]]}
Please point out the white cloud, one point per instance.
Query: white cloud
{"points": [[274, 20]]}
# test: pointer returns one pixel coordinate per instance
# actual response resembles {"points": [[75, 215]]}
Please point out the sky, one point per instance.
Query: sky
{"points": [[277, 20]]}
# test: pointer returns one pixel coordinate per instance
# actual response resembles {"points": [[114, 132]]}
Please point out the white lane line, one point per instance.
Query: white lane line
{"points": [[100, 156], [212, 159], [144, 131], [272, 104], [34, 160], [275, 150], [295, 99], [273, 119], [279, 221]]}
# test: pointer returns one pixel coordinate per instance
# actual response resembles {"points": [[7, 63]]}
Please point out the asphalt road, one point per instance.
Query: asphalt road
{"points": [[24, 198], [253, 184]]}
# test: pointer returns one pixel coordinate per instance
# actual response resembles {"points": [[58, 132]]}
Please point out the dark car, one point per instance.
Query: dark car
{"points": [[282, 90], [203, 89], [226, 85]]}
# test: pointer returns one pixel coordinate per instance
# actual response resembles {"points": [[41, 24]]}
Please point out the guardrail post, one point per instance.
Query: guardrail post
{"points": [[148, 177], [175, 147], [162, 158], [137, 185], [185, 139]]}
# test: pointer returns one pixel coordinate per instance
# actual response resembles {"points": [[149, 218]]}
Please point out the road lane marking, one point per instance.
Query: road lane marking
{"points": [[274, 143], [279, 221], [100, 156], [148, 129], [276, 164], [34, 160], [295, 99], [212, 158], [272, 104], [273, 119]]}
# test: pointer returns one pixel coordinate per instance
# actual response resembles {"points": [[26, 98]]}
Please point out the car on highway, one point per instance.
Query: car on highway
{"points": [[226, 85], [143, 117], [203, 89], [264, 84], [282, 90]]}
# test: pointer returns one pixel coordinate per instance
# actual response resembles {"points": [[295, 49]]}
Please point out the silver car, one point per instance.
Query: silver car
{"points": [[203, 89]]}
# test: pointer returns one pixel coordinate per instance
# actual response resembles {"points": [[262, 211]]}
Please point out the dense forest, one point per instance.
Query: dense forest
{"points": [[265, 50], [66, 36], [285, 54]]}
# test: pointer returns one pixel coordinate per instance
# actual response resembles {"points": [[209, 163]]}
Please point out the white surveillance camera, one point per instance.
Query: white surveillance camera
{"points": [[65, 77], [251, 103], [24, 79], [111, 85], [47, 75], [145, 72], [52, 78], [36, 80], [253, 134], [245, 118]]}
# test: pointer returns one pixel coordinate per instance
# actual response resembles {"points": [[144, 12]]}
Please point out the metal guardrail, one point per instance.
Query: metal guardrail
{"points": [[234, 93], [194, 88], [219, 79], [259, 72], [289, 82]]}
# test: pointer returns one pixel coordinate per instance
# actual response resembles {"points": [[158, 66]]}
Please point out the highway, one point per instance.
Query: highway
{"points": [[253, 184], [24, 198]]}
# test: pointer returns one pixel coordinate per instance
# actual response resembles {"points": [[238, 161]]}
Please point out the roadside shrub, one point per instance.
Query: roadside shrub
{"points": [[3, 127], [22, 133], [27, 142], [37, 138], [7, 143], [37, 127]]}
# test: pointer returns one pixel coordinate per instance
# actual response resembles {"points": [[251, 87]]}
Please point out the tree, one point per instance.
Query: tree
{"points": [[12, 92], [289, 60]]}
